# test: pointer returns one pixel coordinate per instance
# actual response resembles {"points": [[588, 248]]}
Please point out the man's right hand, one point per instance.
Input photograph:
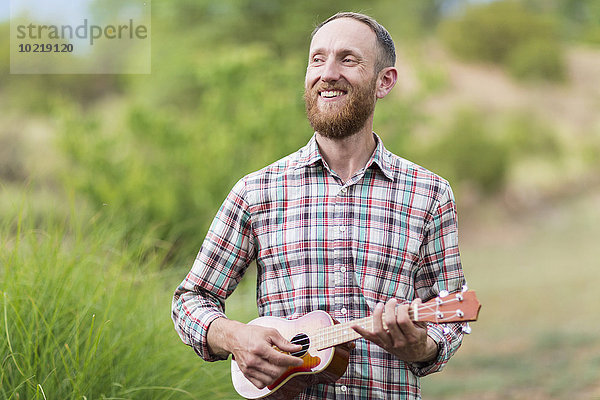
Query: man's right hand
{"points": [[258, 351]]}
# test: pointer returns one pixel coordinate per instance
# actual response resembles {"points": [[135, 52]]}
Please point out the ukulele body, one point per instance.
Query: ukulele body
{"points": [[320, 366]]}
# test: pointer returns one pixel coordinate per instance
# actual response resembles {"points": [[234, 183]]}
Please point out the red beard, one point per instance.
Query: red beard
{"points": [[340, 121]]}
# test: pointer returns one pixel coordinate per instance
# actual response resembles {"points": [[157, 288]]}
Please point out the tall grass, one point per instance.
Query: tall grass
{"points": [[84, 314]]}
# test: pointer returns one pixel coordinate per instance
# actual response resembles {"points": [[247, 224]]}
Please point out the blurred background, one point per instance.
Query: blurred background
{"points": [[108, 184]]}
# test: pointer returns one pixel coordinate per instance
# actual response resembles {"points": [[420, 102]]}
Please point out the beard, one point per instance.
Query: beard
{"points": [[335, 122]]}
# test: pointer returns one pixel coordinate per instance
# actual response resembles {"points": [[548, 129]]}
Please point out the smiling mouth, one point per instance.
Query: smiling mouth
{"points": [[329, 94]]}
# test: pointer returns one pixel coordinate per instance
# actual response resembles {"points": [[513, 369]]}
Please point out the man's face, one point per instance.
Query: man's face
{"points": [[340, 79]]}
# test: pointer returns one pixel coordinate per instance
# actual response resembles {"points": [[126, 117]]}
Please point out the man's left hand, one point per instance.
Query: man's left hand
{"points": [[400, 336]]}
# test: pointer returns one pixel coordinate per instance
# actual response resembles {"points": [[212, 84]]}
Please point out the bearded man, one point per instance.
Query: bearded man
{"points": [[342, 226]]}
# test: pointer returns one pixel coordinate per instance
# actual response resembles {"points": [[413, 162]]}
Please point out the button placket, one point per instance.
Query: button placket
{"points": [[340, 253]]}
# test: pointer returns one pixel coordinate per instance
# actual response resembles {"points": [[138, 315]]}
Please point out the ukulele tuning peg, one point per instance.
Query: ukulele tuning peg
{"points": [[465, 288], [443, 293], [466, 329], [446, 330]]}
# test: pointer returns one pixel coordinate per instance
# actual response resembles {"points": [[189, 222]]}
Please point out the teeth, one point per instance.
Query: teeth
{"points": [[331, 93]]}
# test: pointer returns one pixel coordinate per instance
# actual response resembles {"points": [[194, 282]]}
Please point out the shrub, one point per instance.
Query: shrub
{"points": [[509, 34], [537, 59], [468, 153], [528, 136], [166, 169]]}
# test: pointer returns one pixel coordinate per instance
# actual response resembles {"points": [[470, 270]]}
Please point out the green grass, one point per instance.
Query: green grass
{"points": [[85, 314]]}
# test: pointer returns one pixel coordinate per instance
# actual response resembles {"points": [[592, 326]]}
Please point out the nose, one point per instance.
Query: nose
{"points": [[331, 71]]}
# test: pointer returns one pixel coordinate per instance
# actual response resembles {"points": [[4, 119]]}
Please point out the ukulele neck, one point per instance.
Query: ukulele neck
{"points": [[337, 334], [457, 307]]}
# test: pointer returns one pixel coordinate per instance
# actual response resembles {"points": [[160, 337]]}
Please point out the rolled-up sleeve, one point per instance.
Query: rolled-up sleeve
{"points": [[220, 264], [440, 270]]}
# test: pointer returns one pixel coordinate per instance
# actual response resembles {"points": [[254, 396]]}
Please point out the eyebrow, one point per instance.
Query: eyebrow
{"points": [[343, 51]]}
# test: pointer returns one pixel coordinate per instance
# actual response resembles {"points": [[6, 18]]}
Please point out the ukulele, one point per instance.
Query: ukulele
{"points": [[322, 339]]}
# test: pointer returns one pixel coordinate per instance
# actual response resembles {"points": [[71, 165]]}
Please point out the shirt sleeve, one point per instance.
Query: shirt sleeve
{"points": [[220, 264], [440, 269]]}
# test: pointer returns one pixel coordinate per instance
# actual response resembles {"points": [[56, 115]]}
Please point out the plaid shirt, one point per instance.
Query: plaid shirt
{"points": [[320, 244]]}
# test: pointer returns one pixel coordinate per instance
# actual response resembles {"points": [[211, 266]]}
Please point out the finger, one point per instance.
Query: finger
{"points": [[282, 359], [390, 314], [378, 328], [260, 371], [378, 318], [260, 379], [410, 331], [284, 344], [403, 322], [394, 312], [370, 336]]}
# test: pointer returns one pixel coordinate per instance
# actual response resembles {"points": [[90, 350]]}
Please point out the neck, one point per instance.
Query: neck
{"points": [[348, 155]]}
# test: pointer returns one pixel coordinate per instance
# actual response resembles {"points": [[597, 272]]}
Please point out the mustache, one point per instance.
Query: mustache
{"points": [[326, 86]]}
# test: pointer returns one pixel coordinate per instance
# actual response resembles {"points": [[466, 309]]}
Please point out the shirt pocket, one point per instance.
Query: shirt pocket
{"points": [[385, 264]]}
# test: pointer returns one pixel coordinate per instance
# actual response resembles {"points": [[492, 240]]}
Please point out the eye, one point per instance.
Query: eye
{"points": [[317, 60]]}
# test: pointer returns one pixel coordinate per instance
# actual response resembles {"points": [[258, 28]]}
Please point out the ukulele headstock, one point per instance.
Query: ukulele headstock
{"points": [[449, 307]]}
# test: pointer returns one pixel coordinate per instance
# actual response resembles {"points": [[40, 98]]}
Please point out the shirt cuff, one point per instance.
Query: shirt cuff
{"points": [[201, 346], [425, 368]]}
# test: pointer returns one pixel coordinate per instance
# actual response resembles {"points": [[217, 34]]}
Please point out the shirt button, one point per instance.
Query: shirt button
{"points": [[343, 311], [343, 269], [343, 388], [343, 190], [342, 228]]}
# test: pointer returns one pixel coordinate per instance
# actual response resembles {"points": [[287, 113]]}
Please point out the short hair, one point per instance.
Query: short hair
{"points": [[385, 44]]}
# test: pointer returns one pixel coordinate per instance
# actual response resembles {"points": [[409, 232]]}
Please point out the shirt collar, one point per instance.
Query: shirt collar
{"points": [[382, 157], [310, 155]]}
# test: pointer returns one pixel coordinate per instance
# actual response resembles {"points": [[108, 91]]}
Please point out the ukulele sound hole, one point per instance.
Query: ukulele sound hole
{"points": [[303, 340]]}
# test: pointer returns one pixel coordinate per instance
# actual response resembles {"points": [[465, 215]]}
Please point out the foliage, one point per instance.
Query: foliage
{"points": [[527, 136], [507, 33], [469, 153], [580, 19], [81, 317], [168, 168], [539, 59]]}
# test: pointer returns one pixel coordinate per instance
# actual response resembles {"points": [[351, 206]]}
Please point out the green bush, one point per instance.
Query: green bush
{"points": [[537, 59], [528, 136], [468, 152], [509, 34], [166, 168]]}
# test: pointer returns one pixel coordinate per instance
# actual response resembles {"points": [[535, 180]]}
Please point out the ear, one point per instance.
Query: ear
{"points": [[385, 82]]}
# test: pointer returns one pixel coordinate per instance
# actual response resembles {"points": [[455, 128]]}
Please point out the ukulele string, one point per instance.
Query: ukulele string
{"points": [[331, 332]]}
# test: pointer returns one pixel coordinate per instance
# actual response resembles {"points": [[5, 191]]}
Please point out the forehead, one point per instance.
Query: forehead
{"points": [[344, 34]]}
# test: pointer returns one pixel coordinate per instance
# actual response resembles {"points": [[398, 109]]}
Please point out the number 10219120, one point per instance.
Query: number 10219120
{"points": [[45, 48]]}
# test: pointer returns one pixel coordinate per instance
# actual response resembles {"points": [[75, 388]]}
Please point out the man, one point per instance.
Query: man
{"points": [[342, 226]]}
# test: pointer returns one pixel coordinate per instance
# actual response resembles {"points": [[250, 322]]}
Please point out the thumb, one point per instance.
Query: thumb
{"points": [[284, 344]]}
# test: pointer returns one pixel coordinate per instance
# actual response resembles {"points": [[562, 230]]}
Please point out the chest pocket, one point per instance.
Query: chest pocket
{"points": [[385, 264]]}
